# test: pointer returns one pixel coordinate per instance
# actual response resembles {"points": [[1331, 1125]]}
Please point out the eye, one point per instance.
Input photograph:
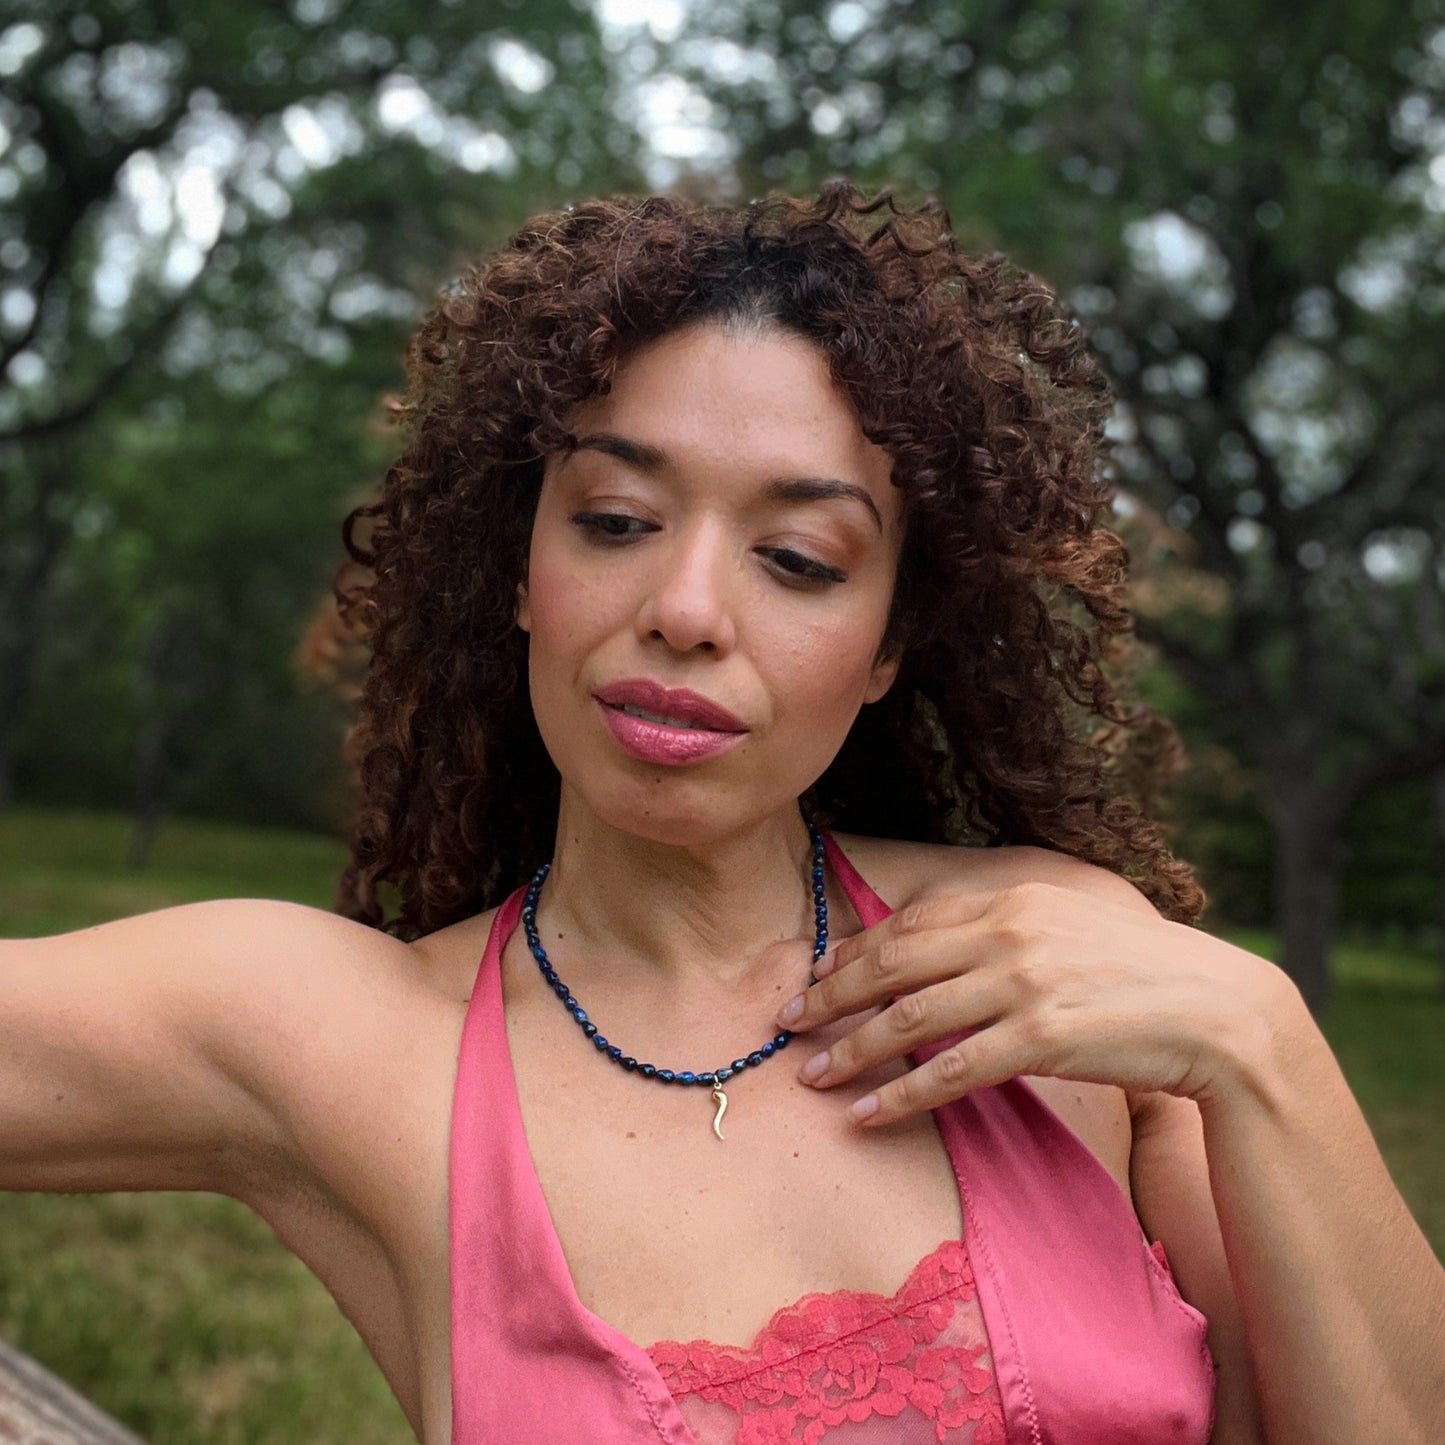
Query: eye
{"points": [[804, 569], [611, 526]]}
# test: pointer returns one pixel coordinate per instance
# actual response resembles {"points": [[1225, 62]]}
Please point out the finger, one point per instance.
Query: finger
{"points": [[910, 1021], [988, 1057], [898, 962], [936, 910]]}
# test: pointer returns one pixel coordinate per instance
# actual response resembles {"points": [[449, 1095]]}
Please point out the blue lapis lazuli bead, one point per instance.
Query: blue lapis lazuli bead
{"points": [[613, 1051]]}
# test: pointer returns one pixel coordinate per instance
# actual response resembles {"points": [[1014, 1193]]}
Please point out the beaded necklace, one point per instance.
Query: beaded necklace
{"points": [[713, 1079]]}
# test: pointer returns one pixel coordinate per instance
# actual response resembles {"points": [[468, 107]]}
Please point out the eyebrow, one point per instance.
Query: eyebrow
{"points": [[780, 489]]}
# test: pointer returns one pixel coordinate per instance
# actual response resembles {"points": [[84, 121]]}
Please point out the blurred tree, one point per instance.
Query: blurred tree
{"points": [[1245, 204], [215, 220]]}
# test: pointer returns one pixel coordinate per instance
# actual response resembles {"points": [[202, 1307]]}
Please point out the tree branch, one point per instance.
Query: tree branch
{"points": [[85, 184], [142, 346]]}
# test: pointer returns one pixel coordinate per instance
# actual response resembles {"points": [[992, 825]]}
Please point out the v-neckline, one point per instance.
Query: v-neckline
{"points": [[633, 1357]]}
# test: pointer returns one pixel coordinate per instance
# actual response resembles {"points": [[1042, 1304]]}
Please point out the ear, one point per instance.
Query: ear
{"points": [[523, 612], [885, 670]]}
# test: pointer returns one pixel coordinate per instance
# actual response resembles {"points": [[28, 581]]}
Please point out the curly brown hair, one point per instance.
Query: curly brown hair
{"points": [[965, 369]]}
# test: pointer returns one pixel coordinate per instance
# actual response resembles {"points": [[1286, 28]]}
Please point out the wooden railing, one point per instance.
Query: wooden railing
{"points": [[38, 1408]]}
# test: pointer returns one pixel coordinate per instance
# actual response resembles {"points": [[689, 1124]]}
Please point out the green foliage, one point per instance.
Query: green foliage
{"points": [[222, 220], [1396, 861]]}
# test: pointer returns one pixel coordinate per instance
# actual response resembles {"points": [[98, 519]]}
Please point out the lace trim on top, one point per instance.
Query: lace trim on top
{"points": [[852, 1367]]}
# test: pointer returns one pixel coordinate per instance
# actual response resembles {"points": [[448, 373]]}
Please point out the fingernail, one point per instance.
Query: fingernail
{"points": [[791, 1011], [816, 1067], [826, 964], [862, 1108]]}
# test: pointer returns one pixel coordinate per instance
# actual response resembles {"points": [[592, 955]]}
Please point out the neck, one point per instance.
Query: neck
{"points": [[694, 914]]}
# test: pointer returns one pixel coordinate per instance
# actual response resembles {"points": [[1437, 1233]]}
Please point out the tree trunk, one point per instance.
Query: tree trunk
{"points": [[158, 687], [38, 1408], [148, 774], [1306, 847], [34, 527], [1438, 788], [7, 764]]}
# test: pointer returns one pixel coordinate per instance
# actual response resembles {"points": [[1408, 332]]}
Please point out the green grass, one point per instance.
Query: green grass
{"points": [[186, 1318], [60, 871], [1387, 1028]]}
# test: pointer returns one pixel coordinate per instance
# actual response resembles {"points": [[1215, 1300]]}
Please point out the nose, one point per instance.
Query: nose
{"points": [[687, 604]]}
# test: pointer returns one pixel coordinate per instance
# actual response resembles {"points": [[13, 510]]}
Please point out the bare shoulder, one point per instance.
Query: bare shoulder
{"points": [[447, 960], [280, 962], [303, 1006], [902, 871]]}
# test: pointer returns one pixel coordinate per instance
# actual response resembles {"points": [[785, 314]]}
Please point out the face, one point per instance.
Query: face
{"points": [[718, 554]]}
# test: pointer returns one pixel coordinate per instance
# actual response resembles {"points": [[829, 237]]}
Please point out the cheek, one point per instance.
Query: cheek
{"points": [[565, 609], [822, 671]]}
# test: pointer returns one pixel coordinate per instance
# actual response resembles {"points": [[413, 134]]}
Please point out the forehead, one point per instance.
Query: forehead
{"points": [[745, 406]]}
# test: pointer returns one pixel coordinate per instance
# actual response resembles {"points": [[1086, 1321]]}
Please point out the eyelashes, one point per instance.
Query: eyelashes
{"points": [[802, 566], [620, 528], [614, 526]]}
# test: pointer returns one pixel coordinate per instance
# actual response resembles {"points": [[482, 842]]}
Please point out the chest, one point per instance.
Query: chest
{"points": [[667, 1232], [670, 1233]]}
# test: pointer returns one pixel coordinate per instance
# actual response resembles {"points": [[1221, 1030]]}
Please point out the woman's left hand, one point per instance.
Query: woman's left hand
{"points": [[1086, 983]]}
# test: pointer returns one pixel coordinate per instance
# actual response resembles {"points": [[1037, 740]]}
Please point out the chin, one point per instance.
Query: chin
{"points": [[677, 811], [673, 817]]}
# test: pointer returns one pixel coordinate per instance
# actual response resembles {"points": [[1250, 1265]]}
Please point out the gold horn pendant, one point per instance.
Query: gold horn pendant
{"points": [[721, 1100]]}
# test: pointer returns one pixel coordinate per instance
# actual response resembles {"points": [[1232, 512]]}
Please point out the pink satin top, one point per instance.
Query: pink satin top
{"points": [[1053, 1321]]}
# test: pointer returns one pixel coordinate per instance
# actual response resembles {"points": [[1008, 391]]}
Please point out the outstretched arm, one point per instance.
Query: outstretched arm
{"points": [[146, 1053]]}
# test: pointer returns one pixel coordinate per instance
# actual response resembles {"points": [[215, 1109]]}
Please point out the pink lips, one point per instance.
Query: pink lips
{"points": [[708, 729]]}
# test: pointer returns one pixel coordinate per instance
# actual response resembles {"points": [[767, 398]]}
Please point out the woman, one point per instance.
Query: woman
{"points": [[717, 529]]}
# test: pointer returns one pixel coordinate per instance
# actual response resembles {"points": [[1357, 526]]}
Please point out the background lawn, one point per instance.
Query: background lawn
{"points": [[186, 1318]]}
